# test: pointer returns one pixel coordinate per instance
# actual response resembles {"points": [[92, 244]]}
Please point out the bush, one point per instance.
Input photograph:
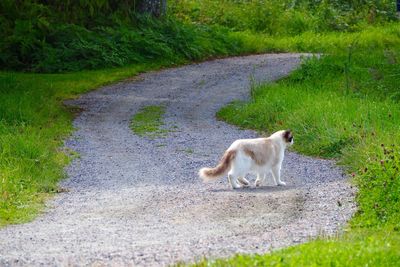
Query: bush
{"points": [[57, 37], [70, 47]]}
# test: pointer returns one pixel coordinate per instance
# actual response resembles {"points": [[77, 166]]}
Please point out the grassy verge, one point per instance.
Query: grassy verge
{"points": [[354, 249], [148, 122], [343, 106], [368, 37], [33, 125]]}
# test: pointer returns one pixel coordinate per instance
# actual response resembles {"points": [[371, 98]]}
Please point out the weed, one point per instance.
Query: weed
{"points": [[148, 122]]}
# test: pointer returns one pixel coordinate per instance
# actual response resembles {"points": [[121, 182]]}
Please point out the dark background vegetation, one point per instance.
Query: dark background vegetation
{"points": [[59, 36], [56, 36]]}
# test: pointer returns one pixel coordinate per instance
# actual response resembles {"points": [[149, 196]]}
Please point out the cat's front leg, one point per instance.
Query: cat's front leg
{"points": [[276, 174], [260, 179]]}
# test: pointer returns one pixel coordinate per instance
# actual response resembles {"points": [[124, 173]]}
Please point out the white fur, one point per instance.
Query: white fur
{"points": [[243, 164]]}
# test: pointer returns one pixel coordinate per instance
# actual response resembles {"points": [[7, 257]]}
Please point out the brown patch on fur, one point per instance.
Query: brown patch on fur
{"points": [[260, 153], [258, 159], [288, 136], [222, 166]]}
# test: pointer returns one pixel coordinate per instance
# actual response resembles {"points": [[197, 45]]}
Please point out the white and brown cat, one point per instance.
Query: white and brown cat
{"points": [[258, 156]]}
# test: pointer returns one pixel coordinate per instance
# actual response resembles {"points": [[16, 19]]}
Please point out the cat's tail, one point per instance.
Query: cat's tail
{"points": [[208, 174]]}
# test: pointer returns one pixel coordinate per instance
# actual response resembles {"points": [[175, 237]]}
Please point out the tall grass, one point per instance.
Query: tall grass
{"points": [[287, 17], [71, 47], [320, 42], [59, 36]]}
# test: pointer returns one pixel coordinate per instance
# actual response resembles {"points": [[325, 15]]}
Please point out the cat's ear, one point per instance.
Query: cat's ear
{"points": [[287, 135]]}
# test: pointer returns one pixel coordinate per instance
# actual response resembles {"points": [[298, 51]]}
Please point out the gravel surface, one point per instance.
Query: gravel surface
{"points": [[137, 201]]}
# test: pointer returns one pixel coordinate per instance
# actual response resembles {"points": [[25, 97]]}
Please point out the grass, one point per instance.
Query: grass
{"points": [[285, 17], [369, 36], [33, 125], [355, 249], [47, 45], [344, 106], [148, 122], [58, 36]]}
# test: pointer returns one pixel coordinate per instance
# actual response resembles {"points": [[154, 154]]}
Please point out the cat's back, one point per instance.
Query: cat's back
{"points": [[240, 143]]}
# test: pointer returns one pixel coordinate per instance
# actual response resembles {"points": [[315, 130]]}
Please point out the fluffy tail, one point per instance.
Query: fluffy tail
{"points": [[222, 168]]}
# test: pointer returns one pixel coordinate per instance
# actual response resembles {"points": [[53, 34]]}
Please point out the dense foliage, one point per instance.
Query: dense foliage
{"points": [[286, 17], [56, 36]]}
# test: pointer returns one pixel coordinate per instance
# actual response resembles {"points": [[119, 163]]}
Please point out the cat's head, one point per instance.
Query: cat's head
{"points": [[288, 137]]}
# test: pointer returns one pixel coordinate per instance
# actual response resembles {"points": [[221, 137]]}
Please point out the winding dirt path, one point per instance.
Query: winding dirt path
{"points": [[135, 201]]}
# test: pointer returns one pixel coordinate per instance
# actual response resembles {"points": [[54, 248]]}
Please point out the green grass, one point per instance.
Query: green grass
{"points": [[148, 122], [36, 38], [33, 121], [344, 106], [33, 125], [367, 37], [354, 249], [54, 37], [285, 17]]}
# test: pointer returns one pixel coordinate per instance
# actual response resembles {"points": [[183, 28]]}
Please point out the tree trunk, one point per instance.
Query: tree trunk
{"points": [[155, 8]]}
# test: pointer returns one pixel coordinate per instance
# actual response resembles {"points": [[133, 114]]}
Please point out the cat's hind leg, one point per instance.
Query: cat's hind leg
{"points": [[233, 181], [240, 168], [276, 174], [243, 181], [260, 179], [273, 178]]}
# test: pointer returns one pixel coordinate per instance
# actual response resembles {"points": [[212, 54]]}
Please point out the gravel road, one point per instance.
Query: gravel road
{"points": [[137, 201]]}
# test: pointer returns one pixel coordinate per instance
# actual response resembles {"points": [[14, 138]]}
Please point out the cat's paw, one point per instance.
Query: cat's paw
{"points": [[281, 183], [243, 183], [257, 183], [235, 185]]}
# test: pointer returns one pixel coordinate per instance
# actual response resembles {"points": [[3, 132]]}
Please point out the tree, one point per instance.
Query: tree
{"points": [[156, 8]]}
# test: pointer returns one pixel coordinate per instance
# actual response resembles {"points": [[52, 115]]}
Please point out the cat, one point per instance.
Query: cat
{"points": [[258, 156]]}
